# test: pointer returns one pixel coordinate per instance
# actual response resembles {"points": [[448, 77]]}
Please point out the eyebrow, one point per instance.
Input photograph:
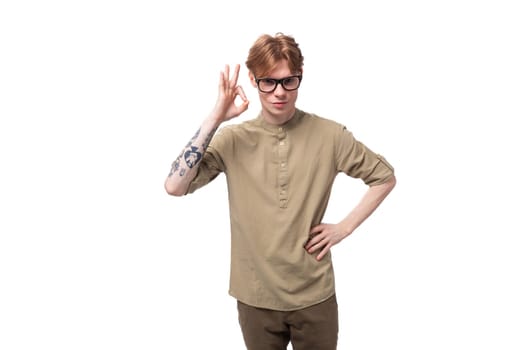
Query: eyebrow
{"points": [[288, 76]]}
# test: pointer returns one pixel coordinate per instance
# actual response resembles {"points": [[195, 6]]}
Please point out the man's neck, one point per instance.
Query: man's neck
{"points": [[273, 120]]}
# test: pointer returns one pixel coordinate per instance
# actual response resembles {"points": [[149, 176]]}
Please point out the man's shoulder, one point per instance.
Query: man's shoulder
{"points": [[242, 128], [322, 122]]}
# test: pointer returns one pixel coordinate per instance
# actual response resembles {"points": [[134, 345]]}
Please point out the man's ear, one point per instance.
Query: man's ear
{"points": [[252, 79]]}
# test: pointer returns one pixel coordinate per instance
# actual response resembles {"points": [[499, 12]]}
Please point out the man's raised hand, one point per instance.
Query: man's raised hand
{"points": [[226, 107]]}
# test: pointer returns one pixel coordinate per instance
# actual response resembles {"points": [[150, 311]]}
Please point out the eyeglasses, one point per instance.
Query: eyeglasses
{"points": [[288, 83]]}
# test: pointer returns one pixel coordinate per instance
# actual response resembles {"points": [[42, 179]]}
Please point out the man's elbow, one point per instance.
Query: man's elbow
{"points": [[172, 190], [386, 186], [390, 183]]}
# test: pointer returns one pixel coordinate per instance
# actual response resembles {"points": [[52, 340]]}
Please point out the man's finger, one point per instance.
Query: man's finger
{"points": [[241, 93], [316, 229], [323, 252], [235, 74], [226, 74], [314, 240]]}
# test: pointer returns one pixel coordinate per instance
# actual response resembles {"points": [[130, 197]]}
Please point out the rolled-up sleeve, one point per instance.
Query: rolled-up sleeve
{"points": [[212, 163], [357, 160]]}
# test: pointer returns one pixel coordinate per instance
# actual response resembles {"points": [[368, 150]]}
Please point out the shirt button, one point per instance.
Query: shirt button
{"points": [[280, 129], [283, 164], [281, 143]]}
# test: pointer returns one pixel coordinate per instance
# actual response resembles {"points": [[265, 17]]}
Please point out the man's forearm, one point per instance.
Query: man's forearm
{"points": [[368, 204], [184, 167]]}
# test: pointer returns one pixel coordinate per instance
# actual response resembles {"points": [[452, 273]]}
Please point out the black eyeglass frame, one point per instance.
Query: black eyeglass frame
{"points": [[279, 81]]}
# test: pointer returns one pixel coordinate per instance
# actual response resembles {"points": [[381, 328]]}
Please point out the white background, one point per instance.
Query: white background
{"points": [[97, 98]]}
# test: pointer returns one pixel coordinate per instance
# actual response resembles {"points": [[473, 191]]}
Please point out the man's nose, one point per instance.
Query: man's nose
{"points": [[279, 90]]}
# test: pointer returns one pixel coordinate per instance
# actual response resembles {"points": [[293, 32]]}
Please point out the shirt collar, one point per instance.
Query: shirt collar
{"points": [[298, 114]]}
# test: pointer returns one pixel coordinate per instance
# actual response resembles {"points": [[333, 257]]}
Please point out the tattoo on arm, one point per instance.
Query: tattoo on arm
{"points": [[175, 165], [192, 155], [194, 138], [208, 139]]}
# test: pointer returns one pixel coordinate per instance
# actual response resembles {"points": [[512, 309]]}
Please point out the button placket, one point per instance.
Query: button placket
{"points": [[282, 151]]}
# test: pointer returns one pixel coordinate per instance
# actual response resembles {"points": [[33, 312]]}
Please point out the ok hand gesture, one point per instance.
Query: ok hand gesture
{"points": [[225, 107]]}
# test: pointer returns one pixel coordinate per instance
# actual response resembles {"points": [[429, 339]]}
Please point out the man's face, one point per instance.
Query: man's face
{"points": [[278, 106]]}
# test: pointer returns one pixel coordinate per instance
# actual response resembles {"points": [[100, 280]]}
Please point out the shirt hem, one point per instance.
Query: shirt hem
{"points": [[275, 308]]}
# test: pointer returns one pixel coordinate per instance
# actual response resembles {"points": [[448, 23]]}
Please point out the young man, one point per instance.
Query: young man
{"points": [[280, 168]]}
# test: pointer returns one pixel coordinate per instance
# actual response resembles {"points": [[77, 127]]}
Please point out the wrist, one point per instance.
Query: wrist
{"points": [[346, 228], [212, 121]]}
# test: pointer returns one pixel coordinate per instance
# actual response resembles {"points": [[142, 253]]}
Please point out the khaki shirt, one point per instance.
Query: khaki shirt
{"points": [[279, 180]]}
